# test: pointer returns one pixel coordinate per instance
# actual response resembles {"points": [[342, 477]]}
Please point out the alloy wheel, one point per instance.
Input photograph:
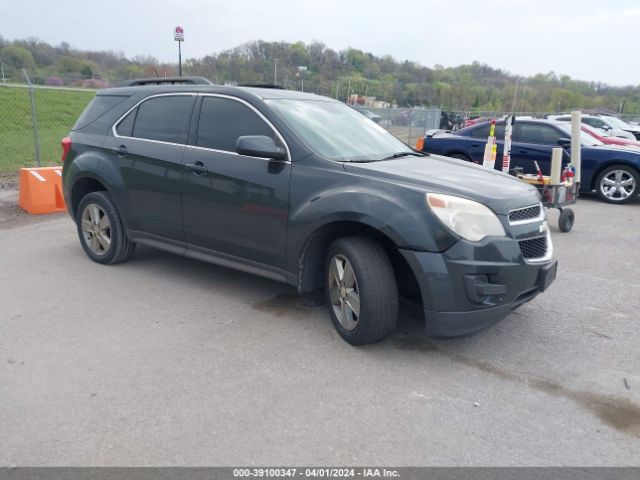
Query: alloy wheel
{"points": [[617, 185], [96, 229], [344, 292]]}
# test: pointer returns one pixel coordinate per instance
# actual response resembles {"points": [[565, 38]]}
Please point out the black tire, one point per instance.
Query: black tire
{"points": [[460, 156], [376, 287], [566, 220], [629, 173], [120, 247]]}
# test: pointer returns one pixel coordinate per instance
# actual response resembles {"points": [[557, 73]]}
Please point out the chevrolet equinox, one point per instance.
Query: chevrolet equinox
{"points": [[305, 190]]}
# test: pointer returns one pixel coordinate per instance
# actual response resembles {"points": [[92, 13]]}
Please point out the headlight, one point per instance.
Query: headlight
{"points": [[471, 220]]}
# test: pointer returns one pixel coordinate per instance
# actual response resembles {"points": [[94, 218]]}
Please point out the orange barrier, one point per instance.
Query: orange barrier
{"points": [[41, 190]]}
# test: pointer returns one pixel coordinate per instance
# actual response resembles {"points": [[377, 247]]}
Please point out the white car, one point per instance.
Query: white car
{"points": [[601, 122], [627, 127]]}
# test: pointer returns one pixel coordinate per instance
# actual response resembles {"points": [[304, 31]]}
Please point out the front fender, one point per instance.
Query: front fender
{"points": [[398, 212]]}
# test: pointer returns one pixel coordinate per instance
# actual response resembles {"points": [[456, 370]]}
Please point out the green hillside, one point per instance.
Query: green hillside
{"points": [[476, 86]]}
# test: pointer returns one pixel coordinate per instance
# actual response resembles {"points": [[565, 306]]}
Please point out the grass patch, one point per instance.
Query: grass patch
{"points": [[56, 110]]}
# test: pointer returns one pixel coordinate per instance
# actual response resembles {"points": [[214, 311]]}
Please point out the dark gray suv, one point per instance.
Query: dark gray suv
{"points": [[305, 190]]}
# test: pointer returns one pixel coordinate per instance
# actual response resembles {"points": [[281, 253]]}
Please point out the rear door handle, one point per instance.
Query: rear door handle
{"points": [[198, 168], [120, 150]]}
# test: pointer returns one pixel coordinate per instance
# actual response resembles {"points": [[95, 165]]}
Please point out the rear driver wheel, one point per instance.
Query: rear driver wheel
{"points": [[361, 290], [101, 231]]}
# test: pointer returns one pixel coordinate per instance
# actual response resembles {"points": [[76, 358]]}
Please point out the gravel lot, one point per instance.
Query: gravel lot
{"points": [[167, 361]]}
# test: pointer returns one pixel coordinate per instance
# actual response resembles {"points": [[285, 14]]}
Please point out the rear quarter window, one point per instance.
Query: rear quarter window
{"points": [[100, 105], [483, 132]]}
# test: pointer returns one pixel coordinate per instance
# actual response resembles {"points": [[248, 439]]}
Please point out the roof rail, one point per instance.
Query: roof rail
{"points": [[166, 81], [261, 85]]}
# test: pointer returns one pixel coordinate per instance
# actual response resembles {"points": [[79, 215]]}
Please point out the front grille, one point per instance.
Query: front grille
{"points": [[534, 247], [527, 213]]}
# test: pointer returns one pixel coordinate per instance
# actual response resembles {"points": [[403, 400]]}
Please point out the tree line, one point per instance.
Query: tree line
{"points": [[476, 86]]}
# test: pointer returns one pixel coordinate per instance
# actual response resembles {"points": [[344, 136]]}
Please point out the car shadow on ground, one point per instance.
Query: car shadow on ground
{"points": [[277, 299]]}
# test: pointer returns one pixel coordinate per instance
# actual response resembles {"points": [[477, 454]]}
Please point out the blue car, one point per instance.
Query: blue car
{"points": [[613, 172]]}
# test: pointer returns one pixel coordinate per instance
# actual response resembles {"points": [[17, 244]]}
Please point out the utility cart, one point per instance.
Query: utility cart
{"points": [[558, 196]]}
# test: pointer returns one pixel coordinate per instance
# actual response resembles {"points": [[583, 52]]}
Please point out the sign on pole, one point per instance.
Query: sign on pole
{"points": [[178, 34]]}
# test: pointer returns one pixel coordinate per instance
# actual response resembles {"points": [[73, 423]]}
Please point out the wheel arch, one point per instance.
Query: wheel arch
{"points": [[80, 188], [89, 172], [311, 258], [457, 151]]}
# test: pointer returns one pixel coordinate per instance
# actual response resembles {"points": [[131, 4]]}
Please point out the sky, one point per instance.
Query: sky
{"points": [[586, 39]]}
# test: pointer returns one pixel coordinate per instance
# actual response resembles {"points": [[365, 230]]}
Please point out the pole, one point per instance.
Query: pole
{"points": [[515, 96], [576, 153], [34, 122], [4, 80], [337, 88], [179, 58], [275, 72]]}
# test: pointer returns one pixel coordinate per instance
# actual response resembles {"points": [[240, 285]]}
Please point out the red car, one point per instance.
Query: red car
{"points": [[622, 142]]}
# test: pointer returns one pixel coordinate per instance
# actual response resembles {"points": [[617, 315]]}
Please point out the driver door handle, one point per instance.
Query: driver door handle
{"points": [[198, 168], [120, 150]]}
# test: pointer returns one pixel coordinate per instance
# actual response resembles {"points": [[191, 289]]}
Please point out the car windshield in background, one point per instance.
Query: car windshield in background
{"points": [[337, 132], [585, 138], [616, 122]]}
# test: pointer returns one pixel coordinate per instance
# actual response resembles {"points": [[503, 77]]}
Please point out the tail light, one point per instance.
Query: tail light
{"points": [[420, 144], [66, 146]]}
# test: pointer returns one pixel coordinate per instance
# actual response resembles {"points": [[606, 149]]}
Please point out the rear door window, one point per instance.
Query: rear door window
{"points": [[223, 120], [164, 119], [125, 127]]}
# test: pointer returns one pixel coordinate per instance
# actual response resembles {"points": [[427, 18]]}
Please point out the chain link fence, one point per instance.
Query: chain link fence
{"points": [[33, 120], [408, 124]]}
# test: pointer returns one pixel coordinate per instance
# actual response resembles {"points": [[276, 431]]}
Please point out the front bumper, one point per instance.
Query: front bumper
{"points": [[472, 285]]}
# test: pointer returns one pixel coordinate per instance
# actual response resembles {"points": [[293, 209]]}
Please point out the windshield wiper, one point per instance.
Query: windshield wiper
{"points": [[403, 154]]}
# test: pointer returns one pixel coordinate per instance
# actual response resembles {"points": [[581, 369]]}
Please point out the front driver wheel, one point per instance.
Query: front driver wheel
{"points": [[361, 290]]}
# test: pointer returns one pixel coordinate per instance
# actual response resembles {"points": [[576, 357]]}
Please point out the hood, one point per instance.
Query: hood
{"points": [[433, 173]]}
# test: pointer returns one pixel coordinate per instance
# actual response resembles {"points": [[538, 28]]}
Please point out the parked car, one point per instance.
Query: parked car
{"points": [[303, 189], [607, 139], [613, 172], [601, 122], [627, 127], [402, 118], [371, 116]]}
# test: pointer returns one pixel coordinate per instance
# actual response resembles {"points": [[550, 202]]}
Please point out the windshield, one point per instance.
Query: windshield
{"points": [[616, 122], [585, 138], [337, 132]]}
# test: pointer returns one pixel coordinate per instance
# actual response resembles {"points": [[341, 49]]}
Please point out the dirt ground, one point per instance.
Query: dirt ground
{"points": [[11, 215], [8, 180]]}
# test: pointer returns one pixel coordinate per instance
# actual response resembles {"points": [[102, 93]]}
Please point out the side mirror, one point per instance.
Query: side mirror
{"points": [[259, 146], [564, 142], [606, 128]]}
